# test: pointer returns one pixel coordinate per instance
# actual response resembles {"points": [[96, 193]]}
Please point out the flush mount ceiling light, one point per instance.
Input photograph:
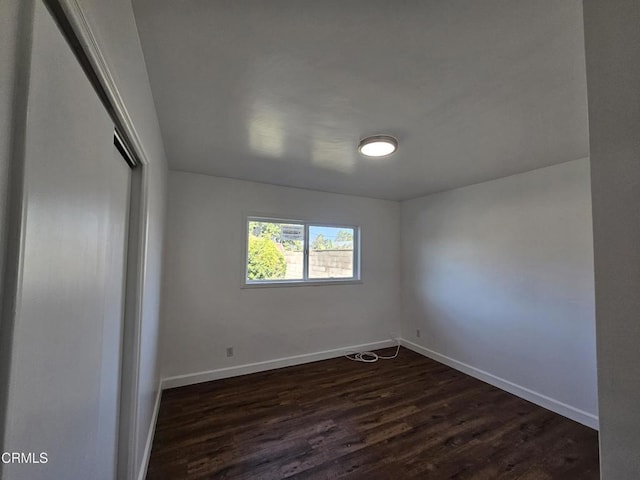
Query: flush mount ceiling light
{"points": [[378, 146]]}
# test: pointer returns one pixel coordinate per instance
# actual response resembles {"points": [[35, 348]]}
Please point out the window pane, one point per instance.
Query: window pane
{"points": [[275, 251], [330, 252]]}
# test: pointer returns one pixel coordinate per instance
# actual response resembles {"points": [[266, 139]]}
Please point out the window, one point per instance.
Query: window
{"points": [[287, 251]]}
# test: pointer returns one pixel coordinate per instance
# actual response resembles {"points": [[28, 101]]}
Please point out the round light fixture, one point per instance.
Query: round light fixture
{"points": [[378, 146]]}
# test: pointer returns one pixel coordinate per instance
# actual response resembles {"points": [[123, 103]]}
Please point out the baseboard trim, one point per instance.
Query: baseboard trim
{"points": [[544, 401], [217, 374], [152, 430]]}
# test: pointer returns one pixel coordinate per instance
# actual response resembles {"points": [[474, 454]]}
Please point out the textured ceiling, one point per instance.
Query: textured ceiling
{"points": [[282, 91]]}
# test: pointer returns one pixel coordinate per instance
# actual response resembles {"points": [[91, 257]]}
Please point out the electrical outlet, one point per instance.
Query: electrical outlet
{"points": [[393, 335], [418, 333], [229, 351]]}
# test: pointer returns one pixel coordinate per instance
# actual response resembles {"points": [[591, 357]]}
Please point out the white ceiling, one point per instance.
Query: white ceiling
{"points": [[281, 91]]}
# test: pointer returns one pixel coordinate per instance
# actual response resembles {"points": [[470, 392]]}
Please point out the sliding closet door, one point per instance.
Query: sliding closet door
{"points": [[118, 175], [65, 357]]}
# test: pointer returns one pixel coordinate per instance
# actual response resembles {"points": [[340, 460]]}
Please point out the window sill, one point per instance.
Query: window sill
{"points": [[312, 283]]}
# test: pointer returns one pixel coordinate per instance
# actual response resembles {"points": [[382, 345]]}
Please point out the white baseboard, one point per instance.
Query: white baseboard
{"points": [[544, 401], [207, 376], [549, 403], [152, 430]]}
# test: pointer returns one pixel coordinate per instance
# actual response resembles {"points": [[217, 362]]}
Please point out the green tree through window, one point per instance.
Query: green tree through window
{"points": [[321, 243], [344, 236], [265, 261]]}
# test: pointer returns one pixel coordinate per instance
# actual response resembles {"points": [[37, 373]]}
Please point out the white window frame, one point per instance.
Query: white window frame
{"points": [[305, 281]]}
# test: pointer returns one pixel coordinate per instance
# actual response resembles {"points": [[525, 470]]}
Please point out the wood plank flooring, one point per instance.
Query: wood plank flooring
{"points": [[407, 418]]}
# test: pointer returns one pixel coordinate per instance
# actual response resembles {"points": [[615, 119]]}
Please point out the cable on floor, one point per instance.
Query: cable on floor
{"points": [[370, 357]]}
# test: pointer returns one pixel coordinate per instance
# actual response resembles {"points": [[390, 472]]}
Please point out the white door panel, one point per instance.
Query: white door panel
{"points": [[65, 357]]}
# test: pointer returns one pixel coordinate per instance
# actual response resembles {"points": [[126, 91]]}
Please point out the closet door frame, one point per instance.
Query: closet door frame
{"points": [[74, 26]]}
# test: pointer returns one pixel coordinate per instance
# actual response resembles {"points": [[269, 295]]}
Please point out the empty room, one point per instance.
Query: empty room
{"points": [[319, 239]]}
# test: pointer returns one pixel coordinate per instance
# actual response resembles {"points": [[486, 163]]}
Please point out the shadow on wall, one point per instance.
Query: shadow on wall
{"points": [[500, 276]]}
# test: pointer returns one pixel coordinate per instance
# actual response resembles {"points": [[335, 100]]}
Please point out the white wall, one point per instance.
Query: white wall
{"points": [[612, 39], [114, 26], [205, 309], [499, 276]]}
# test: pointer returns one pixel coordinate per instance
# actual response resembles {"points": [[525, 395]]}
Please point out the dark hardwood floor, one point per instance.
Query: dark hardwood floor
{"points": [[408, 418]]}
